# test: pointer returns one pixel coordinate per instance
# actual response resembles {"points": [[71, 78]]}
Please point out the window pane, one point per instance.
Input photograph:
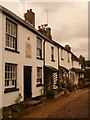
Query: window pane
{"points": [[11, 30], [39, 75], [10, 75]]}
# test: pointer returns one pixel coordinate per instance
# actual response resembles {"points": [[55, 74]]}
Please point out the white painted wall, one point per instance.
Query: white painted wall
{"points": [[21, 60], [76, 64], [81, 75], [65, 62], [76, 78], [48, 55]]}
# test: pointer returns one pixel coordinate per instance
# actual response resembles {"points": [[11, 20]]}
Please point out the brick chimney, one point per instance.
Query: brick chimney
{"points": [[68, 48], [45, 31], [42, 29], [30, 17], [48, 32]]}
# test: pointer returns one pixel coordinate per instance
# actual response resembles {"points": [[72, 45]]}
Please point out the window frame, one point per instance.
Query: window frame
{"points": [[37, 48], [62, 54], [7, 47], [13, 87], [39, 83], [68, 56], [52, 54]]}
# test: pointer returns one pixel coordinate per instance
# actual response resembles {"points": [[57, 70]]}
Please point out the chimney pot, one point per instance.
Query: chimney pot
{"points": [[39, 27], [30, 10], [42, 26], [68, 48]]}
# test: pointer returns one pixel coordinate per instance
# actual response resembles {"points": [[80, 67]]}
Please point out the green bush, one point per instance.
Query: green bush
{"points": [[50, 94], [70, 87], [62, 84], [75, 87]]}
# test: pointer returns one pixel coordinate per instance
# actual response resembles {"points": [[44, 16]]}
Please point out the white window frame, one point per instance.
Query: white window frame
{"points": [[62, 54], [52, 53], [39, 47], [10, 75], [68, 55], [11, 35], [39, 75]]}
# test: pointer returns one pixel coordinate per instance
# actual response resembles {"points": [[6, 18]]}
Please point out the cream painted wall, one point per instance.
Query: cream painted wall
{"points": [[76, 64], [65, 62], [21, 60], [48, 55]]}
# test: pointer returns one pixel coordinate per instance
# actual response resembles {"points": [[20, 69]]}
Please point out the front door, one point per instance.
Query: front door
{"points": [[27, 82]]}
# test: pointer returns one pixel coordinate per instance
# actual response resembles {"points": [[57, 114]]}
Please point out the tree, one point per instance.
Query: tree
{"points": [[82, 61]]}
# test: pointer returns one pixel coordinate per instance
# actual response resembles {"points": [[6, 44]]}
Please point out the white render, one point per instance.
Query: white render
{"points": [[48, 61], [20, 60], [76, 64], [65, 63]]}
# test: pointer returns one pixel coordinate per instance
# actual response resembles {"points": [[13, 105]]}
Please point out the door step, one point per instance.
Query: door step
{"points": [[33, 102]]}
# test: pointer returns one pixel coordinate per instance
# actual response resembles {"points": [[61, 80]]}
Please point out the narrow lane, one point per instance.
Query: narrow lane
{"points": [[76, 109], [72, 106]]}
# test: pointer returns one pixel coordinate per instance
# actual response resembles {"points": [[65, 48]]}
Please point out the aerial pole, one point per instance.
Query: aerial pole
{"points": [[23, 8], [47, 16]]}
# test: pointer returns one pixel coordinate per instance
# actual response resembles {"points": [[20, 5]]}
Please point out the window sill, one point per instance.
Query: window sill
{"points": [[53, 60], [11, 50], [11, 90], [40, 58], [62, 58], [39, 85]]}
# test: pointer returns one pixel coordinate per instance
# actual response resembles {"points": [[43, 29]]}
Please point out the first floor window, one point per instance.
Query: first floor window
{"points": [[62, 54], [52, 53], [68, 57], [10, 75], [39, 75], [39, 48], [11, 34]]}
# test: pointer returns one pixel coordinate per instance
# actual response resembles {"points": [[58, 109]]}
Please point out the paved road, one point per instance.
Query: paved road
{"points": [[72, 106], [76, 109]]}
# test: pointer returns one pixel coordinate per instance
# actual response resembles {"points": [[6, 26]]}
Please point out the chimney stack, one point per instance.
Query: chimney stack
{"points": [[68, 48], [48, 32], [42, 29], [30, 17], [45, 31]]}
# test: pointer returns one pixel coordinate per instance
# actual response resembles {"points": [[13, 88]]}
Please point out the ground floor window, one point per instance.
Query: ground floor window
{"points": [[10, 75], [39, 75]]}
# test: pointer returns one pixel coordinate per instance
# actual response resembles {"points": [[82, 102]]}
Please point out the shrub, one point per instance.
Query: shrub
{"points": [[70, 87], [62, 84], [75, 87], [18, 99], [50, 94]]}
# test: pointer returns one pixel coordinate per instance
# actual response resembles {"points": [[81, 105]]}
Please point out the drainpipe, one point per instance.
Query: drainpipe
{"points": [[44, 66], [58, 68]]}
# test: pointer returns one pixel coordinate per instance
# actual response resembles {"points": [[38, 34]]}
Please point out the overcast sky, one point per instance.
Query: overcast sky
{"points": [[68, 21]]}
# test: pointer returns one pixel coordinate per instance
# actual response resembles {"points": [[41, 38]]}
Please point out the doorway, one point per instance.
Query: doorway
{"points": [[27, 82]]}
